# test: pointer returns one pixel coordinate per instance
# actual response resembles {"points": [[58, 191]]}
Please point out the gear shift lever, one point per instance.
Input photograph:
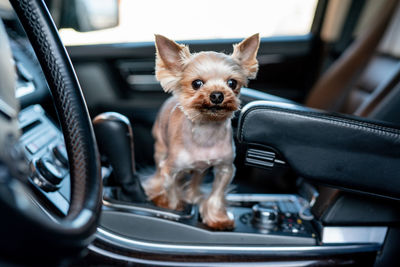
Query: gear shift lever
{"points": [[115, 140]]}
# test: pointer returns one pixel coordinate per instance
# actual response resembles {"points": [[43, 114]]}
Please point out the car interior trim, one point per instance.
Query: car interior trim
{"points": [[373, 144], [7, 110], [118, 240], [142, 209], [334, 19], [353, 234], [112, 255], [21, 91], [254, 94]]}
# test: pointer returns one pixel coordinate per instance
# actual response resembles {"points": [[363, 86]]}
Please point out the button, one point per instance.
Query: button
{"points": [[49, 171], [43, 140], [23, 72], [60, 154], [40, 142], [292, 207], [282, 206], [32, 148], [264, 216]]}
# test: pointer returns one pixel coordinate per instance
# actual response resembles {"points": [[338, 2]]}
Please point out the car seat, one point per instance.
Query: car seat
{"points": [[365, 72]]}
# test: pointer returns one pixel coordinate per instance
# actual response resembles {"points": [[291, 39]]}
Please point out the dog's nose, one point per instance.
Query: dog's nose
{"points": [[216, 97]]}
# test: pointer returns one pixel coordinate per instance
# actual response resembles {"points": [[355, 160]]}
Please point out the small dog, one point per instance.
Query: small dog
{"points": [[193, 131]]}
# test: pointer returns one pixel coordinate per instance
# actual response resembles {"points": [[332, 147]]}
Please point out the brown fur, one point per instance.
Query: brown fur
{"points": [[193, 134]]}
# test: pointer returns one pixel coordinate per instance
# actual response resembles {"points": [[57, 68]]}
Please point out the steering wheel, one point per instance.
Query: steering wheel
{"points": [[27, 234]]}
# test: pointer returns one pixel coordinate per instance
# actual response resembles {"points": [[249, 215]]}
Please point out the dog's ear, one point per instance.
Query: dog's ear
{"points": [[170, 59], [246, 52]]}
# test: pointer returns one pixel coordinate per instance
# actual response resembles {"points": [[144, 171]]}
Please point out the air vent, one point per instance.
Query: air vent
{"points": [[262, 158]]}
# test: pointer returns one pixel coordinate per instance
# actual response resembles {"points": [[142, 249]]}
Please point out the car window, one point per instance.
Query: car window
{"points": [[196, 20]]}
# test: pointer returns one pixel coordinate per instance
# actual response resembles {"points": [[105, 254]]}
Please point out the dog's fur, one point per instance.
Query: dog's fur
{"points": [[191, 132]]}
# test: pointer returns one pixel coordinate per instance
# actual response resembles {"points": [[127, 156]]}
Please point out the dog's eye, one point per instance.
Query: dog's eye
{"points": [[196, 84], [232, 83]]}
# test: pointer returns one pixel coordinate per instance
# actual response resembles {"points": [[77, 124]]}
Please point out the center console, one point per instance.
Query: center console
{"points": [[259, 220], [265, 224]]}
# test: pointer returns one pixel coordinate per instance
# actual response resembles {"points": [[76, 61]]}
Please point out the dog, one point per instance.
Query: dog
{"points": [[193, 130]]}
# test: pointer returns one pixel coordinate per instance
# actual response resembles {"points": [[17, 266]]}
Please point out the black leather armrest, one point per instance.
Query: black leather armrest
{"points": [[332, 149]]}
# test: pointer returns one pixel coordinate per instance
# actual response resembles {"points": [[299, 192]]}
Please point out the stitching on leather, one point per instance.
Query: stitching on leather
{"points": [[353, 124], [67, 103]]}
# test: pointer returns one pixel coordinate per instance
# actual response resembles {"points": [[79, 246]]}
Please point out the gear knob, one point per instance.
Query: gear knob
{"points": [[115, 141]]}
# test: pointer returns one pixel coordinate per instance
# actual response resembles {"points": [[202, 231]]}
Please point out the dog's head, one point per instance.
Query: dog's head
{"points": [[207, 84]]}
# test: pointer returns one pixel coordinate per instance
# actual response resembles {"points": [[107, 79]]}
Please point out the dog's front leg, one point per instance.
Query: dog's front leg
{"points": [[172, 189], [193, 194], [213, 209], [165, 188]]}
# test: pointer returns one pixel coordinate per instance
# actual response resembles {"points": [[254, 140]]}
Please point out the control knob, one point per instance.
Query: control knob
{"points": [[46, 174], [60, 154], [265, 216]]}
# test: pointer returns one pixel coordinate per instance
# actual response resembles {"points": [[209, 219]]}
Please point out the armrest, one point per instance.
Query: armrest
{"points": [[328, 148]]}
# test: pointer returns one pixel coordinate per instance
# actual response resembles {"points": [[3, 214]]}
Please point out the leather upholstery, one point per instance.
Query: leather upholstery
{"points": [[389, 108], [380, 69], [368, 88], [331, 149], [359, 71], [333, 87]]}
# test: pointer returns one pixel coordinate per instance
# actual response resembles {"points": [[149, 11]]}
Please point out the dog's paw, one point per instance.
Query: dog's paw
{"points": [[220, 224], [216, 218], [163, 201]]}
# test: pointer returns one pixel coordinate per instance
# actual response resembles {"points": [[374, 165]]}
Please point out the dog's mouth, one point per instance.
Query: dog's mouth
{"points": [[218, 108], [215, 108], [215, 112]]}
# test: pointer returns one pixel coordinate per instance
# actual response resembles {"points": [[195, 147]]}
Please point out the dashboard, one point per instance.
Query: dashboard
{"points": [[46, 155], [31, 83], [41, 138]]}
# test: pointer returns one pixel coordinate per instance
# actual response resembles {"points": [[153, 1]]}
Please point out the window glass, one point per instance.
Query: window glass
{"points": [[206, 19]]}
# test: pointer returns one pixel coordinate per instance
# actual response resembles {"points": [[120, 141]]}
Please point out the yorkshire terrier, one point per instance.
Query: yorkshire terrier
{"points": [[193, 130]]}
